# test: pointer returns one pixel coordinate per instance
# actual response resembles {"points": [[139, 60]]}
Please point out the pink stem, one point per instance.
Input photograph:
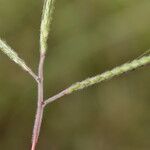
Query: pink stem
{"points": [[40, 106]]}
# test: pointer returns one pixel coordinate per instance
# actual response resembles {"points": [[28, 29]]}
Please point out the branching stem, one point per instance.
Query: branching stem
{"points": [[40, 108]]}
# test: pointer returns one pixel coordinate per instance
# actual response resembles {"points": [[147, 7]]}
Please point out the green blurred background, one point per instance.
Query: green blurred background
{"points": [[87, 38]]}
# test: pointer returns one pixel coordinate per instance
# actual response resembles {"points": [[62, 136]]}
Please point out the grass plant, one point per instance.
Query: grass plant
{"points": [[46, 21]]}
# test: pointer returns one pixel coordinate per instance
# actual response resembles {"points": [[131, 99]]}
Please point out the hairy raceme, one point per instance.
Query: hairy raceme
{"points": [[5, 48], [111, 73], [102, 77], [46, 20]]}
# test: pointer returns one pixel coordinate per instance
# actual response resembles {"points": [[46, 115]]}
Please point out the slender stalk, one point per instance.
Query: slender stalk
{"points": [[44, 32], [40, 108], [102, 77], [35, 77]]}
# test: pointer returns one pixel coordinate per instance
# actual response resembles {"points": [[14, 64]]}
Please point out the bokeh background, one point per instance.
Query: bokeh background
{"points": [[87, 38]]}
